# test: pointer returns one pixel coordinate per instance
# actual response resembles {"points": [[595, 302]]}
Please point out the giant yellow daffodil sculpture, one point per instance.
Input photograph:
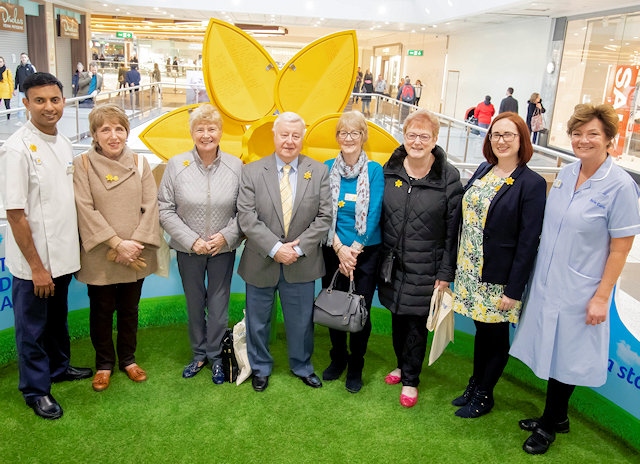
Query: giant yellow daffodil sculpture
{"points": [[246, 85]]}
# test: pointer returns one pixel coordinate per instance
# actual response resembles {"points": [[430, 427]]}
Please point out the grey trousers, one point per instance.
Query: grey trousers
{"points": [[207, 284]]}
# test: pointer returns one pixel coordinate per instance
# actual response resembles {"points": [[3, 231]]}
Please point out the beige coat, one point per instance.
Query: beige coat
{"points": [[114, 203]]}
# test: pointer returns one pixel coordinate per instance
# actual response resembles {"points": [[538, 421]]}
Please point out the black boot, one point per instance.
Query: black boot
{"points": [[481, 403], [464, 399], [354, 375], [336, 367]]}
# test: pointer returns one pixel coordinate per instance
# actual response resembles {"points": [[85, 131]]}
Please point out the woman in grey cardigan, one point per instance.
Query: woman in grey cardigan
{"points": [[197, 202]]}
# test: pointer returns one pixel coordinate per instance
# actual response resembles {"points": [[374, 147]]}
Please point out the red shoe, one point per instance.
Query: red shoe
{"points": [[391, 379], [407, 401]]}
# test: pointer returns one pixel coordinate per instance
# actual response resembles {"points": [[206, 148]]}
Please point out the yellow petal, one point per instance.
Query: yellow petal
{"points": [[257, 142], [319, 78], [320, 140], [169, 134], [239, 73]]}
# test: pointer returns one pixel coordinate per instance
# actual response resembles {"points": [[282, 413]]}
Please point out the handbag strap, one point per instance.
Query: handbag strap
{"points": [[352, 285]]}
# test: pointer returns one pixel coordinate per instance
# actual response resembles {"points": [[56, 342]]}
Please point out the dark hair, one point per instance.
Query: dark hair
{"points": [[510, 90], [38, 80], [525, 152]]}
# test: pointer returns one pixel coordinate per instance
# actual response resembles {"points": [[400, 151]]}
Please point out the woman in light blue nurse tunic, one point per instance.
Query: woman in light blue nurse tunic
{"points": [[590, 221]]}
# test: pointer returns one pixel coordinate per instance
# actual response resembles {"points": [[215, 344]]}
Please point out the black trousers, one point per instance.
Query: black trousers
{"points": [[409, 335], [490, 353], [104, 301], [364, 277], [42, 336]]}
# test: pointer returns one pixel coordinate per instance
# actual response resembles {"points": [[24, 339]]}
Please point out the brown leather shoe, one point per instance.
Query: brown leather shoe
{"points": [[135, 373], [101, 380]]}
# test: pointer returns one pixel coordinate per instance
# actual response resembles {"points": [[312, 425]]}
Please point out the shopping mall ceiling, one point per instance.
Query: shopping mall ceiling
{"points": [[305, 20]]}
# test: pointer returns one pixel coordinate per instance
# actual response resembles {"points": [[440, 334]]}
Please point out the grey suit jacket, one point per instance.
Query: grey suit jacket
{"points": [[84, 82], [260, 219]]}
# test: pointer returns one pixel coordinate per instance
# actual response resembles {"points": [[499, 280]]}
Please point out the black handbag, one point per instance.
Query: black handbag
{"points": [[386, 266], [344, 311], [229, 363]]}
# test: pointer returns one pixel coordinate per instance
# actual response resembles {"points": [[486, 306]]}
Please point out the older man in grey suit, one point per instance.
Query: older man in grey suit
{"points": [[284, 209]]}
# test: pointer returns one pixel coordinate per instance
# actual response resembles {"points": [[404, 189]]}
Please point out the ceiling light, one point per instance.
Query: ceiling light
{"points": [[264, 31]]}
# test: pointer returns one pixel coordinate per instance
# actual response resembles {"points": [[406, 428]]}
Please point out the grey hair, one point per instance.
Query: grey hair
{"points": [[289, 116]]}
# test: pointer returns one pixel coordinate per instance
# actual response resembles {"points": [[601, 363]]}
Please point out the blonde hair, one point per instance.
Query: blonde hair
{"points": [[534, 96], [205, 113], [353, 120], [106, 112]]}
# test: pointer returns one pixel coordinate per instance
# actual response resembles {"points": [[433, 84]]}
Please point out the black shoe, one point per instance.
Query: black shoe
{"points": [[481, 403], [464, 399], [73, 373], [334, 371], [354, 382], [46, 407], [217, 375], [539, 442], [260, 383], [193, 368], [311, 380], [531, 424]]}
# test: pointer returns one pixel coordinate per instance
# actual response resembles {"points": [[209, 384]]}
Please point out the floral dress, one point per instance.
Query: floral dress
{"points": [[474, 298]]}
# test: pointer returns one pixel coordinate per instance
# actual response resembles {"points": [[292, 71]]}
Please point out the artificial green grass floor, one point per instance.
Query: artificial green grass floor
{"points": [[169, 419]]}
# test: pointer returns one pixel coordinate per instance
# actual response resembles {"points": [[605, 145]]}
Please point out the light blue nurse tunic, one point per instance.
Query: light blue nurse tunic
{"points": [[553, 338]]}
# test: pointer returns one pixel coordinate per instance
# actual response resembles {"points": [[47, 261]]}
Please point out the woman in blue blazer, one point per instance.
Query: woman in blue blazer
{"points": [[502, 211]]}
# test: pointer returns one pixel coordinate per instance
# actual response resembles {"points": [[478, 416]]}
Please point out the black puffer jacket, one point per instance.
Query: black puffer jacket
{"points": [[420, 220]]}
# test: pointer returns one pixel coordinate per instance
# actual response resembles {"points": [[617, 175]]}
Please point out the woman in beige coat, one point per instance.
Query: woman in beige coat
{"points": [[119, 231]]}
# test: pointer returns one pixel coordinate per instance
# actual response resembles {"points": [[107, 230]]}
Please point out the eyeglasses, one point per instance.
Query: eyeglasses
{"points": [[507, 136], [355, 135], [410, 136]]}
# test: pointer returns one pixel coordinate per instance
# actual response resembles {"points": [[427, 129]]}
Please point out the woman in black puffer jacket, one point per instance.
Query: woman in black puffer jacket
{"points": [[422, 195]]}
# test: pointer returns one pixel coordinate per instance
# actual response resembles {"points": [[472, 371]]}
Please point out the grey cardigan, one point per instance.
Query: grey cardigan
{"points": [[197, 202]]}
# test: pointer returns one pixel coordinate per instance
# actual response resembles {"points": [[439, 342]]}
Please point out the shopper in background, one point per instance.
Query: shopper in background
{"points": [[6, 85], [484, 112], [418, 90], [534, 106]]}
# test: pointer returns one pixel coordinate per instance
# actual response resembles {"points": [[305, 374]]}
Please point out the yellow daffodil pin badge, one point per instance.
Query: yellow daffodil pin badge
{"points": [[33, 148], [509, 181], [111, 178], [307, 175], [185, 163], [341, 204], [398, 183]]}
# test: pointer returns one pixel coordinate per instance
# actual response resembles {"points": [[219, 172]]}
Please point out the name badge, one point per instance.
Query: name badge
{"points": [[478, 183], [351, 197]]}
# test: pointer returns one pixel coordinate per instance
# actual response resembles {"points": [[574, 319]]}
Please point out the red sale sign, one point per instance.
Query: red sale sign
{"points": [[620, 94]]}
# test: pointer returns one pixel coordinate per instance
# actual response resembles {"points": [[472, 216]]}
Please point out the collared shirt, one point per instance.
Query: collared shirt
{"points": [[293, 180], [38, 170], [293, 175]]}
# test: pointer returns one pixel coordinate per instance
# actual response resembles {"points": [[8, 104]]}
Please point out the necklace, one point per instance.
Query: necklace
{"points": [[501, 172]]}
